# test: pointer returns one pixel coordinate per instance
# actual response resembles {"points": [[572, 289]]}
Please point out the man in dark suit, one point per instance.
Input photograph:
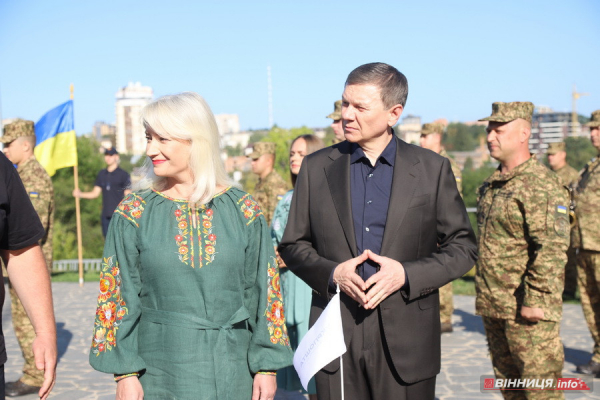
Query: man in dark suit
{"points": [[383, 220]]}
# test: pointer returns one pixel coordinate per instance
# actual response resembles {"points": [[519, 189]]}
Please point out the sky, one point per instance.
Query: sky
{"points": [[459, 56]]}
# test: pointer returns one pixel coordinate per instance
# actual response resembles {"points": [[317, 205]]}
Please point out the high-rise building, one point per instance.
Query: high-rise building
{"points": [[130, 134], [548, 126], [409, 129], [102, 130], [228, 123]]}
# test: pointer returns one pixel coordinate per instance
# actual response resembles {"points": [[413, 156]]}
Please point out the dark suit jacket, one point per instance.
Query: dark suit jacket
{"points": [[427, 230]]}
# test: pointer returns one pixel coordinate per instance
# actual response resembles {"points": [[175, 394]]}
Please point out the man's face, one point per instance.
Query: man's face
{"points": [[15, 151], [504, 138], [431, 141], [111, 160], [595, 137], [364, 116], [338, 129], [261, 164], [557, 160]]}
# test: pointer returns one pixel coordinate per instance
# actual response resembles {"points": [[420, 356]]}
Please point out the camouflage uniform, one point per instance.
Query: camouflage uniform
{"points": [[41, 193], [586, 238], [268, 192], [445, 292], [523, 224], [336, 115], [446, 300], [568, 176]]}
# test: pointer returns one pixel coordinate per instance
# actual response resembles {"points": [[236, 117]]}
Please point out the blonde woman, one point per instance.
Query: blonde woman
{"points": [[189, 303]]}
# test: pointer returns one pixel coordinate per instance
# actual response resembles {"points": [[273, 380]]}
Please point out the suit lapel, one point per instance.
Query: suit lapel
{"points": [[338, 179], [404, 183]]}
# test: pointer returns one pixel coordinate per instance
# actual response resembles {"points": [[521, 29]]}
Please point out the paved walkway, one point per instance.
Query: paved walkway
{"points": [[464, 352]]}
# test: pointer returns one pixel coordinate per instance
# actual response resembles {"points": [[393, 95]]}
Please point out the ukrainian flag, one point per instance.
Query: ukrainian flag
{"points": [[56, 145]]}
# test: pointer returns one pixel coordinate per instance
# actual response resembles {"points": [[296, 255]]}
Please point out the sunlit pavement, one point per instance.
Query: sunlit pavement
{"points": [[464, 352]]}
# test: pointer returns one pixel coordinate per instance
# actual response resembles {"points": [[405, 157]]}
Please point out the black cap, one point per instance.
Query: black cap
{"points": [[110, 152]]}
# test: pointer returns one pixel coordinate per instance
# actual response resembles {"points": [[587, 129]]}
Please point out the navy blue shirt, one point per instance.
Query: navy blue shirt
{"points": [[370, 190]]}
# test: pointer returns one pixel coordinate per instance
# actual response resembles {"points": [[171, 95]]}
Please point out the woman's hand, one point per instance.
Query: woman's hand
{"points": [[264, 387], [280, 262], [130, 389]]}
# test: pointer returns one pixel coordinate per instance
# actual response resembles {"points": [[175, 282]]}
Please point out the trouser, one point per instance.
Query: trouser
{"points": [[446, 304], [2, 382], [105, 219], [525, 350], [588, 270], [571, 272], [368, 370], [25, 336]]}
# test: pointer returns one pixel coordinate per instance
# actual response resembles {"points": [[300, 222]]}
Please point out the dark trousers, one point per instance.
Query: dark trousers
{"points": [[368, 370], [105, 222], [2, 382]]}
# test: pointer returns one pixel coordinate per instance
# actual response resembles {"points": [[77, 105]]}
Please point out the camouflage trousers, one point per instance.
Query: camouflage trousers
{"points": [[525, 350], [571, 272], [25, 336], [588, 269], [446, 304]]}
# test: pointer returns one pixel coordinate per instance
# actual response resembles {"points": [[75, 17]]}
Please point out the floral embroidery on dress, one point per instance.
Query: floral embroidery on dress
{"points": [[131, 207], [274, 312], [249, 208], [111, 308], [188, 222]]}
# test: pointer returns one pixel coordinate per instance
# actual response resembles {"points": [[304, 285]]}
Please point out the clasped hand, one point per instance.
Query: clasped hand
{"points": [[387, 280]]}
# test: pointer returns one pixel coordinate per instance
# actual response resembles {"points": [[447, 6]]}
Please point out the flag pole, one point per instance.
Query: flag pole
{"points": [[341, 357], [78, 216]]}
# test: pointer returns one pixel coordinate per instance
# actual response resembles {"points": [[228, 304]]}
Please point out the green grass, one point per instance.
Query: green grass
{"points": [[91, 276], [464, 286]]}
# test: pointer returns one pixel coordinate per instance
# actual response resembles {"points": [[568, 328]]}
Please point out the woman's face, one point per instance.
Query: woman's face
{"points": [[170, 157], [297, 154]]}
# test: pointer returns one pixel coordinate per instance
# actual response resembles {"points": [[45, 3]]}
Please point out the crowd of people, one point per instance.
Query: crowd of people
{"points": [[206, 290]]}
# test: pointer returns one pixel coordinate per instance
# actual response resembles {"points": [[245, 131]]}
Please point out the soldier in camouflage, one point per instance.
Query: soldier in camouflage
{"points": [[586, 238], [431, 138], [336, 125], [270, 187], [19, 142], [522, 216], [557, 159]]}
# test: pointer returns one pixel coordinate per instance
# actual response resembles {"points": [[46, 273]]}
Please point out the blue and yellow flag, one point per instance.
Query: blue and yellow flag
{"points": [[56, 145]]}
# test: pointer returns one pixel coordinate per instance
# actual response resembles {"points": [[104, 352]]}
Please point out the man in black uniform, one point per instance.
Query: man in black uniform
{"points": [[113, 183], [20, 232]]}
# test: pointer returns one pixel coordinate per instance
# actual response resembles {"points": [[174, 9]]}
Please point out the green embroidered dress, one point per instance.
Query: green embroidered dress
{"points": [[190, 298]]}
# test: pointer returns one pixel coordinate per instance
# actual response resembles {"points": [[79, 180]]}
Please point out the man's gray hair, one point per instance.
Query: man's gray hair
{"points": [[393, 83]]}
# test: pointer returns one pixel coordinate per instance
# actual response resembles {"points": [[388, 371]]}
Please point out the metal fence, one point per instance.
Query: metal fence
{"points": [[89, 264]]}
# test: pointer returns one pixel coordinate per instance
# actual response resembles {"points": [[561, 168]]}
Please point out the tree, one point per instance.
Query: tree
{"points": [[462, 137], [579, 151], [65, 244], [471, 180]]}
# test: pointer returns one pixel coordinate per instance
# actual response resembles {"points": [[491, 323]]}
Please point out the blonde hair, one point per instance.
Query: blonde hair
{"points": [[187, 117]]}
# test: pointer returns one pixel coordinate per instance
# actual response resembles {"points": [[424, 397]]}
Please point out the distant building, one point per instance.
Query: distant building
{"points": [[240, 139], [228, 123], [409, 129], [479, 156], [130, 136], [548, 126], [103, 131]]}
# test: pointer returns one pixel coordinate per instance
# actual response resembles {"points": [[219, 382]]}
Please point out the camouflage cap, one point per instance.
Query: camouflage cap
{"points": [[595, 120], [260, 148], [554, 148], [434, 127], [337, 111], [17, 129], [506, 112]]}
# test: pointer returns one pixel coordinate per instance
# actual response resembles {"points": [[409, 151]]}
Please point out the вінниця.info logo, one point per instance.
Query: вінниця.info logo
{"points": [[582, 383]]}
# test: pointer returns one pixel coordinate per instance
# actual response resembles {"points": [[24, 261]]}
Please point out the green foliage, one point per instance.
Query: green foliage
{"points": [[283, 139], [471, 180], [329, 136], [579, 151], [234, 151], [65, 243], [71, 276], [461, 137]]}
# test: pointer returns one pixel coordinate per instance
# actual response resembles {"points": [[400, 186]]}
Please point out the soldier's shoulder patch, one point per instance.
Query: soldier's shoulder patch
{"points": [[34, 195], [561, 221]]}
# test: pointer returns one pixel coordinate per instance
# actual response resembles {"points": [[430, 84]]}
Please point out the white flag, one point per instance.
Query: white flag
{"points": [[322, 343]]}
